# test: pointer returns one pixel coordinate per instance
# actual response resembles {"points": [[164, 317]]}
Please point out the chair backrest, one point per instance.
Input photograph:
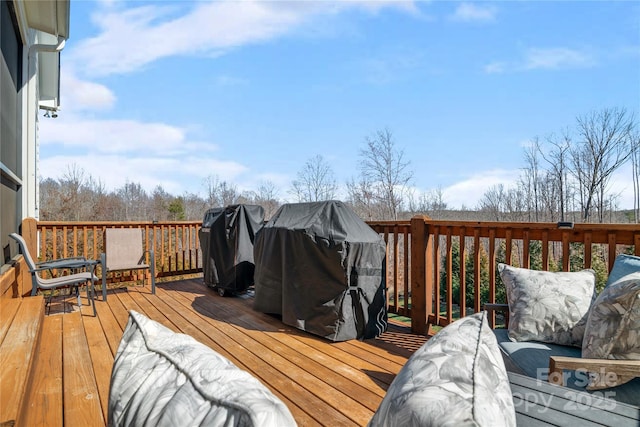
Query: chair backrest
{"points": [[123, 248], [25, 251]]}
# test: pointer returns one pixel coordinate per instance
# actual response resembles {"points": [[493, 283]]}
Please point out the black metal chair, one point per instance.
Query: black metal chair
{"points": [[72, 281]]}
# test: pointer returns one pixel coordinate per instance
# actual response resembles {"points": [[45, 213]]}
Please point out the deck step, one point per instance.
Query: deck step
{"points": [[20, 336]]}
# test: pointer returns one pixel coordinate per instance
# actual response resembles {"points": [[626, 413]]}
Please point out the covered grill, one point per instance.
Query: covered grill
{"points": [[226, 239], [322, 268]]}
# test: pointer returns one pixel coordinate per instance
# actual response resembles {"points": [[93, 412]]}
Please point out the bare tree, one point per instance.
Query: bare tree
{"points": [[315, 182], [134, 201], [267, 197], [73, 184], [430, 202], [220, 193], [159, 203], [384, 166], [558, 159], [493, 202], [194, 206], [635, 170], [531, 179], [362, 199], [50, 199], [605, 146]]}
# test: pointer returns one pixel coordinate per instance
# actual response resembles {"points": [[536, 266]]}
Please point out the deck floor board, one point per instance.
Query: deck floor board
{"points": [[43, 401], [321, 382]]}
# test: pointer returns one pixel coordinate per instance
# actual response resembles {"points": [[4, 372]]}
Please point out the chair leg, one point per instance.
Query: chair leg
{"points": [[152, 265], [103, 262], [47, 304], [93, 297]]}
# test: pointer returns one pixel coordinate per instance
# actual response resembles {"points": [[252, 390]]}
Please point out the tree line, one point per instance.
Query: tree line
{"points": [[566, 176]]}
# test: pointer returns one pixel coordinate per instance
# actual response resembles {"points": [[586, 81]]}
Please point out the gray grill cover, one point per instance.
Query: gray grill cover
{"points": [[322, 268], [226, 239]]}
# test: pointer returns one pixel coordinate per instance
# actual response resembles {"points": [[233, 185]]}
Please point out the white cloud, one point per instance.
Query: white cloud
{"points": [[621, 184], [388, 67], [555, 58], [113, 136], [469, 191], [544, 59], [84, 95], [224, 80], [469, 12], [494, 68], [141, 35], [175, 174]]}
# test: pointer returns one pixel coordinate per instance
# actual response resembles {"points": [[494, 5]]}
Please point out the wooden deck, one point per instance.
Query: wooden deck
{"points": [[55, 369], [321, 382]]}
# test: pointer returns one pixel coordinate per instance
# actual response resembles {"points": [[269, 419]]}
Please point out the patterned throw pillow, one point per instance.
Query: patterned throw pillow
{"points": [[613, 328], [457, 378], [162, 378], [548, 306]]}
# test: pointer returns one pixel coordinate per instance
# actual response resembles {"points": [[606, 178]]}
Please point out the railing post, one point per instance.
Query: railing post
{"points": [[421, 275]]}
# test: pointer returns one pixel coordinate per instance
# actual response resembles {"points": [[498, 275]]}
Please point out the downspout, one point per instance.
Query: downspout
{"points": [[32, 208]]}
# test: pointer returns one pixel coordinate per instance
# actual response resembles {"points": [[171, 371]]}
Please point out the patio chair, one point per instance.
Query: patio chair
{"points": [[124, 251], [72, 281]]}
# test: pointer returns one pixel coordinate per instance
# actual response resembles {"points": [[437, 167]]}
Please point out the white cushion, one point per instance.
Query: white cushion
{"points": [[458, 377], [162, 378], [548, 306]]}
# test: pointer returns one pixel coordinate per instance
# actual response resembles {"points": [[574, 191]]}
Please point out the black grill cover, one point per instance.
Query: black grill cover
{"points": [[226, 239], [322, 268]]}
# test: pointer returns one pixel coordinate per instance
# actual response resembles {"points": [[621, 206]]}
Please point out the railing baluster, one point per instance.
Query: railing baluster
{"points": [[54, 245], [492, 274], [449, 274], [545, 250], [476, 270], [463, 272], [587, 250], [612, 249], [405, 301], [566, 251], [526, 246], [436, 274]]}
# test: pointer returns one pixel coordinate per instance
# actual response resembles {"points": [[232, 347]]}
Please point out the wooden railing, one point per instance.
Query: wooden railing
{"points": [[437, 271], [175, 244], [441, 257]]}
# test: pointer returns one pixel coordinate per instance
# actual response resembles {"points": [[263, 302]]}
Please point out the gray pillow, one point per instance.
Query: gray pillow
{"points": [[548, 306], [162, 378], [613, 327], [457, 378], [623, 265]]}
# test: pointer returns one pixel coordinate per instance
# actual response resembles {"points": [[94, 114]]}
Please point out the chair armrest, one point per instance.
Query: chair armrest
{"points": [[496, 307], [73, 258], [76, 262], [603, 370], [503, 308]]}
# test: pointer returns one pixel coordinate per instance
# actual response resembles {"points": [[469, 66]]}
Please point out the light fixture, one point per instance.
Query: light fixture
{"points": [[47, 114], [54, 114], [565, 225]]}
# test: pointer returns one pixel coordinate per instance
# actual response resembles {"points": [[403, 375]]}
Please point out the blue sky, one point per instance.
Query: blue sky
{"points": [[170, 92]]}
